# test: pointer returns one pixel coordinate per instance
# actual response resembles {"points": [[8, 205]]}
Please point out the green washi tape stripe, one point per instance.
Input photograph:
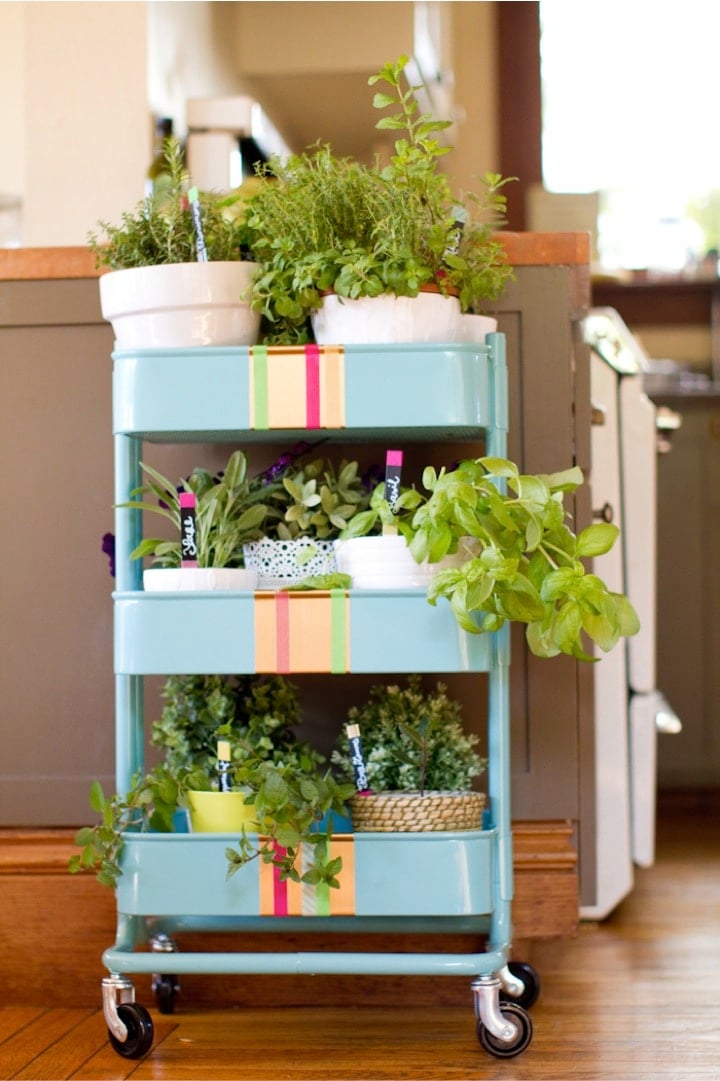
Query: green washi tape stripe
{"points": [[322, 899], [338, 631], [260, 384]]}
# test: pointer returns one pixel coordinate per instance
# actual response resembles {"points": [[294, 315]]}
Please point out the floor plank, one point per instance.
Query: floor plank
{"points": [[37, 1039]]}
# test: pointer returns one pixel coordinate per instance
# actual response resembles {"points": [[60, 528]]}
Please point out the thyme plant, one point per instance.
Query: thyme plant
{"points": [[160, 228]]}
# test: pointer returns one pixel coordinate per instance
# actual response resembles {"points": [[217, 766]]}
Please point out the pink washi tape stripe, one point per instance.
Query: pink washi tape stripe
{"points": [[280, 891], [282, 640], [312, 386], [188, 530]]}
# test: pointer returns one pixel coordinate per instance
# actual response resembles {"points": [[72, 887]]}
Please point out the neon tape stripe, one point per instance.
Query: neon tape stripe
{"points": [[280, 893], [282, 640], [322, 899], [259, 361], [312, 386], [339, 660]]}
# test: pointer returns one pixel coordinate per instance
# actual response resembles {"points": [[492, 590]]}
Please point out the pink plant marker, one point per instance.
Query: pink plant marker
{"points": [[188, 530]]}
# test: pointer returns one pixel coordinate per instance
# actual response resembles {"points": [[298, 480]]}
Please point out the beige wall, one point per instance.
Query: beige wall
{"points": [[80, 82], [84, 104]]}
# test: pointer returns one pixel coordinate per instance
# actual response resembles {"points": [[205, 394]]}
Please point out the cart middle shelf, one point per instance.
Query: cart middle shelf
{"points": [[335, 632]]}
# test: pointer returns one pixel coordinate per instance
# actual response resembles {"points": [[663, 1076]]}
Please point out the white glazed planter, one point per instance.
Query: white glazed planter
{"points": [[473, 328], [387, 319], [281, 563], [180, 305], [385, 562], [189, 579]]}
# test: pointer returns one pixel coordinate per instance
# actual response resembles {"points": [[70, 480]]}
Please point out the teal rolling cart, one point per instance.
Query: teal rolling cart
{"points": [[435, 882]]}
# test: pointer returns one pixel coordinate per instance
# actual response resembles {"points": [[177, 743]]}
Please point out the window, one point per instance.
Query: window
{"points": [[630, 103]]}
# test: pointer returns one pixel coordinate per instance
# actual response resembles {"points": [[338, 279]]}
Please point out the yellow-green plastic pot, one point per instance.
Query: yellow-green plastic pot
{"points": [[220, 812]]}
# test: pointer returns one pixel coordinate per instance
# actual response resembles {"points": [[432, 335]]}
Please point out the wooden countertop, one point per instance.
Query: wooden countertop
{"points": [[523, 249]]}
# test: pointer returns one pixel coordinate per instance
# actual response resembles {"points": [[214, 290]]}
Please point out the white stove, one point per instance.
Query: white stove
{"points": [[629, 709]]}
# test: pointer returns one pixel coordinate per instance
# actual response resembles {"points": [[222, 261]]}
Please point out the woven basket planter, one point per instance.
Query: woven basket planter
{"points": [[410, 812]]}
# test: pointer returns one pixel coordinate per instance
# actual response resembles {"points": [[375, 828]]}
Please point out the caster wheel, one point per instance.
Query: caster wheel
{"points": [[529, 996], [166, 989], [500, 1048], [139, 1024]]}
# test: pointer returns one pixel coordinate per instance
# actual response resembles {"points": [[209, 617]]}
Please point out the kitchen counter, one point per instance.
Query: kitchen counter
{"points": [[523, 249]]}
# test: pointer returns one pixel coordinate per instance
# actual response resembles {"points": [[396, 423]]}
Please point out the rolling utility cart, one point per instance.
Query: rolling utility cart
{"points": [[415, 882]]}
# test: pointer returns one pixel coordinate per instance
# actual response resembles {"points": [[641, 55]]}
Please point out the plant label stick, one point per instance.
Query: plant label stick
{"points": [[194, 199], [223, 765], [188, 530], [393, 471], [357, 759]]}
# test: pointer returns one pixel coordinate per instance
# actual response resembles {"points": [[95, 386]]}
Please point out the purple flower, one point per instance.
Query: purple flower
{"points": [[108, 547]]}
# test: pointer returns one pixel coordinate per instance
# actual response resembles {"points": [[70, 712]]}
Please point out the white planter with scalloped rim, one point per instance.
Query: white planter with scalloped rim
{"points": [[387, 319], [385, 562], [180, 305]]}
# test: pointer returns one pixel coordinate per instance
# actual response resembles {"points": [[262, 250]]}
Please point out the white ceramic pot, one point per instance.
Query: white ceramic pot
{"points": [[385, 562], [387, 319], [180, 305], [182, 579], [281, 563], [473, 328]]}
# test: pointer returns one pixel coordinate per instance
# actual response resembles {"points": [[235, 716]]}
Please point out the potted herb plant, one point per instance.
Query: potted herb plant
{"points": [[309, 505], [179, 267], [373, 549], [330, 233], [281, 780], [418, 764], [525, 563], [227, 512]]}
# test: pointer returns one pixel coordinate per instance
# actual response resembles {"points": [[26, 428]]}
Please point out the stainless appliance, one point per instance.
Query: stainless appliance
{"points": [[629, 708]]}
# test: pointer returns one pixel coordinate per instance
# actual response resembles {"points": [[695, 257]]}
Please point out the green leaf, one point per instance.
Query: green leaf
{"points": [[390, 123], [84, 836], [500, 467], [627, 617], [596, 539], [565, 481], [603, 631], [540, 640], [97, 797], [566, 625], [381, 100]]}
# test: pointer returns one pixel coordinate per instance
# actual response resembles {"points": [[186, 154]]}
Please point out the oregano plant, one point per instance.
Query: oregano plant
{"points": [[321, 223]]}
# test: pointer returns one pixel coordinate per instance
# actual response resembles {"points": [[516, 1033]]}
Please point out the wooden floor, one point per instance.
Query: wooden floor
{"points": [[636, 998]]}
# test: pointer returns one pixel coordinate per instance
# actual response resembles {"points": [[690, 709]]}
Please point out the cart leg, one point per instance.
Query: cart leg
{"points": [[486, 990], [130, 1027], [116, 990], [510, 983], [165, 987]]}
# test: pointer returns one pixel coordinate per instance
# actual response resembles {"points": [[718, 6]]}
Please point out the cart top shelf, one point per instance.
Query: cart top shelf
{"points": [[265, 393]]}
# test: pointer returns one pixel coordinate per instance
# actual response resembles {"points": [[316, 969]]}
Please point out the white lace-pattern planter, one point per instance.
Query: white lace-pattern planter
{"points": [[281, 563]]}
